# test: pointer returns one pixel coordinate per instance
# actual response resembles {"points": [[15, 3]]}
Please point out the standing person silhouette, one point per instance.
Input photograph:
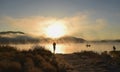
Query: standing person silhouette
{"points": [[54, 46], [114, 48]]}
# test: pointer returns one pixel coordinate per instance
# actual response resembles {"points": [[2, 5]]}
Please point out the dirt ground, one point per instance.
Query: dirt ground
{"points": [[74, 63]]}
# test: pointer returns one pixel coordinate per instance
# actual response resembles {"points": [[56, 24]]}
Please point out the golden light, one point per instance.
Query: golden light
{"points": [[55, 30], [60, 48]]}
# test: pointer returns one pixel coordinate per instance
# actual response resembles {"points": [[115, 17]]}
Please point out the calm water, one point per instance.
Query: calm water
{"points": [[70, 48]]}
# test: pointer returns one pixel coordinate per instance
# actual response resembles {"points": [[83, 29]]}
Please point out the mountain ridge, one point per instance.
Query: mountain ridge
{"points": [[21, 37], [12, 32]]}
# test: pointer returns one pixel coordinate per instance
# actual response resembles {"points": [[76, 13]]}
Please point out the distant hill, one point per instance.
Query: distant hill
{"points": [[71, 39], [12, 32], [16, 37], [103, 41], [22, 38], [18, 40], [66, 39]]}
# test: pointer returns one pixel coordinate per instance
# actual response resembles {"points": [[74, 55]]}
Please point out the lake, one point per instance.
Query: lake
{"points": [[72, 47]]}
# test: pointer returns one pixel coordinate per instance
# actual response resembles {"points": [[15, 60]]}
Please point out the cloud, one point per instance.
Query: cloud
{"points": [[84, 26], [77, 25]]}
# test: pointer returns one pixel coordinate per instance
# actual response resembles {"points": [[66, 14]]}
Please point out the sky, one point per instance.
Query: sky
{"points": [[88, 19]]}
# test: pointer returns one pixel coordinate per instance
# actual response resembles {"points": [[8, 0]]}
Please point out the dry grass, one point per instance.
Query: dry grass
{"points": [[37, 60]]}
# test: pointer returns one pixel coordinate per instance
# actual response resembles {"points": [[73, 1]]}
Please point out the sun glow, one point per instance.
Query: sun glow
{"points": [[55, 30]]}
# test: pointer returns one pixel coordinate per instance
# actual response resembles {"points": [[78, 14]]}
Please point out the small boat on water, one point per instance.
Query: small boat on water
{"points": [[88, 45]]}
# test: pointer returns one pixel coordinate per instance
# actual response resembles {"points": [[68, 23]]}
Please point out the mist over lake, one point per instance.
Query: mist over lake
{"points": [[73, 47]]}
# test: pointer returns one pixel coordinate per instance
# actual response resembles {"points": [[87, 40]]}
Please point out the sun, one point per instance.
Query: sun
{"points": [[55, 30]]}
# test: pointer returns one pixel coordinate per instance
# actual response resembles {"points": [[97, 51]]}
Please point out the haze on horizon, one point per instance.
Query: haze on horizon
{"points": [[88, 19]]}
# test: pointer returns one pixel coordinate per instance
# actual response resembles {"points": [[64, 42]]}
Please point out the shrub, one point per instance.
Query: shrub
{"points": [[36, 60]]}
